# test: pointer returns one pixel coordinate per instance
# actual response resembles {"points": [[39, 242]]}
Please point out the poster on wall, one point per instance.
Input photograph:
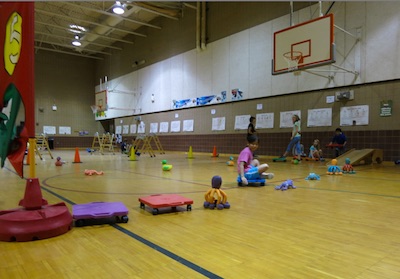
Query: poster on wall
{"points": [[154, 128], [64, 130], [264, 120], [188, 125], [386, 108], [218, 124], [242, 122], [175, 126], [141, 128], [133, 129], [355, 115], [236, 94], [125, 129], [164, 127], [118, 129], [49, 130], [286, 118], [319, 117], [185, 103]]}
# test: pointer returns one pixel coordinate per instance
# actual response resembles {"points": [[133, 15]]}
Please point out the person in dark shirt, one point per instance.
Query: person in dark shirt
{"points": [[339, 138], [251, 129]]}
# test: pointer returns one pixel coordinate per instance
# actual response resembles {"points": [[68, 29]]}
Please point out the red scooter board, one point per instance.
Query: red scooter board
{"points": [[333, 145], [165, 200], [84, 213]]}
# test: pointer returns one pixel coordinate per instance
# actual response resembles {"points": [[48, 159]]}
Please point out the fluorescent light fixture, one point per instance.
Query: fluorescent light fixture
{"points": [[76, 42], [77, 28], [118, 8]]}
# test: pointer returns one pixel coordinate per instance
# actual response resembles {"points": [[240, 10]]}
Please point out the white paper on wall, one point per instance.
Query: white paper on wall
{"points": [[176, 126], [64, 130], [242, 122], [188, 125], [286, 118], [319, 117], [141, 128], [133, 129], [49, 130], [218, 124], [164, 127], [355, 115], [154, 128], [118, 129], [265, 120], [125, 129]]}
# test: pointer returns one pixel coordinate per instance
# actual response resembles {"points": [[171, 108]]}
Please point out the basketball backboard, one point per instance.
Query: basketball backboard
{"points": [[308, 44], [101, 100]]}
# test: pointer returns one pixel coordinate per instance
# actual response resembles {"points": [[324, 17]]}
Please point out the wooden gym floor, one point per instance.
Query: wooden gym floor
{"points": [[343, 226]]}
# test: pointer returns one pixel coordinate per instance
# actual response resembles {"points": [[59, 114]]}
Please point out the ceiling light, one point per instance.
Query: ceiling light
{"points": [[77, 28], [118, 8], [76, 42]]}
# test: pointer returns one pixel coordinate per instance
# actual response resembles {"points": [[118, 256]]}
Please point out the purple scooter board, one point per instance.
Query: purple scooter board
{"points": [[110, 212]]}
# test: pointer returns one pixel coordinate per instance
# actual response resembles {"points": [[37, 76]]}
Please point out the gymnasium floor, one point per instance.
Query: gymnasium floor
{"points": [[343, 226]]}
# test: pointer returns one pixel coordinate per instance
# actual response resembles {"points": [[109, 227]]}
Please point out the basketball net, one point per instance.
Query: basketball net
{"points": [[293, 59], [95, 108]]}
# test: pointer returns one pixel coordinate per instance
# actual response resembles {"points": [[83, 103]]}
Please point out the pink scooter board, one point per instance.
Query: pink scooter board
{"points": [[107, 211], [165, 200]]}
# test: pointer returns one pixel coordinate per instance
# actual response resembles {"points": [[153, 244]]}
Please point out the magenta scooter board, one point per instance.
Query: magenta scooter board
{"points": [[96, 213]]}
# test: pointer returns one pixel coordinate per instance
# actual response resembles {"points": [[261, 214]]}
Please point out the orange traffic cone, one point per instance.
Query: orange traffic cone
{"points": [[77, 158], [215, 154]]}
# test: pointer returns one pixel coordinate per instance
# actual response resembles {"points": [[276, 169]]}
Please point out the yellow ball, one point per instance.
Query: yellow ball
{"points": [[166, 167]]}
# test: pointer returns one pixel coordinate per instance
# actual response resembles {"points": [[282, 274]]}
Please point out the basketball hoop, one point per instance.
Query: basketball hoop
{"points": [[293, 59], [95, 108]]}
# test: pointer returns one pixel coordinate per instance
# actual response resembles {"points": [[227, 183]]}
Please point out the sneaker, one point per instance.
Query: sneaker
{"points": [[267, 175]]}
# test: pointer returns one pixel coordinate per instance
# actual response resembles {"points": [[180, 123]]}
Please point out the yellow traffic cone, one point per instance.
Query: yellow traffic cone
{"points": [[190, 153], [132, 156]]}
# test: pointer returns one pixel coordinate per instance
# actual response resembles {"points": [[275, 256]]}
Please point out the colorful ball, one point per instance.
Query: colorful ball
{"points": [[166, 167], [295, 161]]}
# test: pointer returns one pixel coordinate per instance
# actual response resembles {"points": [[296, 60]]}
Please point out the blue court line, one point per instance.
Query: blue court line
{"points": [[152, 245]]}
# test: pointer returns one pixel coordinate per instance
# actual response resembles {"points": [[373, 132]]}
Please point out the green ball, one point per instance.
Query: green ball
{"points": [[163, 162], [295, 161]]}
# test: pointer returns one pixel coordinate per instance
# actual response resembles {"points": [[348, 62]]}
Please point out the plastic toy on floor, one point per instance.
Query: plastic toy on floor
{"points": [[348, 168], [59, 163], [313, 176], [92, 172], [165, 166], [215, 197], [334, 169], [288, 184], [230, 162], [279, 159], [90, 151]]}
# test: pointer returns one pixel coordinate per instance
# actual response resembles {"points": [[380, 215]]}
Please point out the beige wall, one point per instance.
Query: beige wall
{"points": [[67, 82], [370, 94]]}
